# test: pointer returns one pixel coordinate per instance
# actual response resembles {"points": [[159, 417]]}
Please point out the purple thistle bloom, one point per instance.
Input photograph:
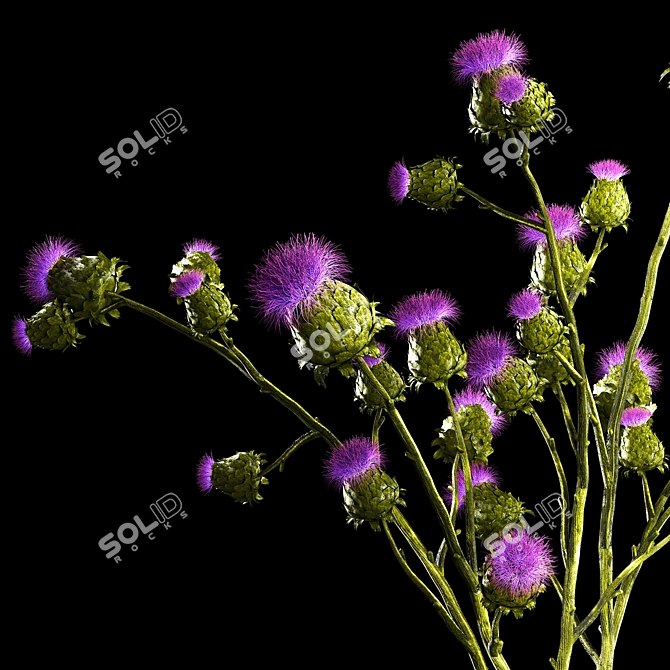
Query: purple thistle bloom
{"points": [[352, 460], [288, 281], [608, 169], [523, 567], [489, 355], [524, 305], [615, 355], [566, 222], [204, 473], [398, 182], [187, 283], [372, 360], [510, 87], [202, 245], [472, 396], [20, 337], [480, 473], [486, 53], [41, 258], [422, 310], [635, 416]]}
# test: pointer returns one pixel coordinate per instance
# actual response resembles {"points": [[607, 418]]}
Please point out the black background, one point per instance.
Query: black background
{"points": [[294, 131]]}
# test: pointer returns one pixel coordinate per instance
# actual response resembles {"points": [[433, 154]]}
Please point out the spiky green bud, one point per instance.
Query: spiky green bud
{"points": [[435, 355], [338, 327], [53, 327], [239, 476], [528, 113], [548, 368], [573, 264], [541, 333], [494, 509], [515, 389], [388, 377], [209, 309], [639, 390], [476, 429], [485, 109], [641, 450], [435, 183], [606, 205], [371, 499], [85, 284]]}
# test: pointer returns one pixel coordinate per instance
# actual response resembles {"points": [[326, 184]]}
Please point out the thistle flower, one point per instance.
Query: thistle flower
{"points": [[606, 205], [353, 460], [525, 305], [369, 494], [486, 53], [41, 258], [510, 87], [435, 355], [489, 355], [608, 169], [471, 396], [20, 337], [481, 474], [203, 246], [566, 223], [237, 476], [187, 283], [538, 328], [204, 474], [515, 577], [291, 277], [434, 183], [609, 358], [635, 416], [509, 381], [398, 181]]}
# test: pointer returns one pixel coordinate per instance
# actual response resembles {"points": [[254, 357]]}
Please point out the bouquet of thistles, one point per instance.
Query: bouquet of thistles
{"points": [[492, 542]]}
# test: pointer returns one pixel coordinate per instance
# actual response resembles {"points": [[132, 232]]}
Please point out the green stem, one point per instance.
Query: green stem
{"points": [[448, 596], [577, 526], [377, 424], [562, 479], [567, 418], [502, 212], [281, 461], [471, 548], [648, 503], [586, 272]]}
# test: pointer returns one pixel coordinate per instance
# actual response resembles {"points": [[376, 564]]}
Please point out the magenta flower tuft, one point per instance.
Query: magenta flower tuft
{"points": [[615, 355], [473, 396], [510, 87], [489, 355], [609, 170], [291, 276], [383, 350], [481, 474], [423, 310], [635, 416], [202, 245], [352, 460], [566, 222], [41, 258], [398, 182], [186, 283], [524, 305], [486, 53], [204, 473], [20, 336], [523, 568]]}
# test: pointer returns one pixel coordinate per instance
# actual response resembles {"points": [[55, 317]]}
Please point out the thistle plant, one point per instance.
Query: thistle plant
{"points": [[595, 416]]}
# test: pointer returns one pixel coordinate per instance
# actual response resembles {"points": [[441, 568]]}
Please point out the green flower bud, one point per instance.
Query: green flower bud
{"points": [[388, 377], [239, 476], [435, 183], [639, 390], [53, 327], [485, 111], [528, 113], [515, 389], [573, 264], [541, 333], [209, 309], [606, 205], [494, 509], [476, 429], [641, 450], [371, 498], [85, 284], [548, 368]]}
